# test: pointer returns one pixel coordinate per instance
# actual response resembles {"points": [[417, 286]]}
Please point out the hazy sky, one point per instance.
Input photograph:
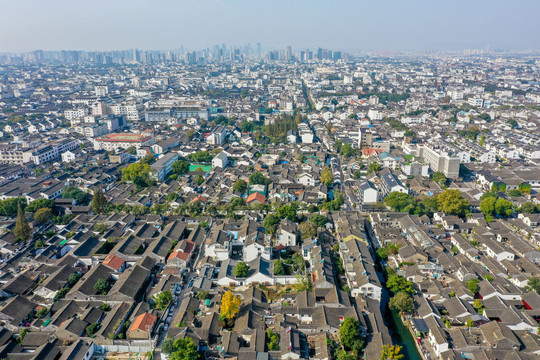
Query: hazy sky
{"points": [[335, 24]]}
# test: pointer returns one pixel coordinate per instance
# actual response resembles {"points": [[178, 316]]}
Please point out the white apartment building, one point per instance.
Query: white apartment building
{"points": [[440, 159], [50, 152], [75, 113], [131, 112]]}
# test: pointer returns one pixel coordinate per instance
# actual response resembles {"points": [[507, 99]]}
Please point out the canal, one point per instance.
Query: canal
{"points": [[401, 335]]}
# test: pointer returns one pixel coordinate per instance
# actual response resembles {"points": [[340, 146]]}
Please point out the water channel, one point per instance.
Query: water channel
{"points": [[402, 336]]}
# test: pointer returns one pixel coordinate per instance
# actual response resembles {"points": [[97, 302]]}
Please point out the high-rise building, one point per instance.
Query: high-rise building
{"points": [[440, 159]]}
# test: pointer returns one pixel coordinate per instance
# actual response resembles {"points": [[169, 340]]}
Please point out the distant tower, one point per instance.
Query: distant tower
{"points": [[289, 53]]}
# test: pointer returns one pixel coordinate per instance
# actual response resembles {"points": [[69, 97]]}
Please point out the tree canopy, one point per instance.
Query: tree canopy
{"points": [[451, 202], [241, 270], [22, 230], [257, 178], [350, 337], [230, 305]]}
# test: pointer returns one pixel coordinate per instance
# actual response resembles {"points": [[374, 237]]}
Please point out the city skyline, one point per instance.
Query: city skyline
{"points": [[351, 26]]}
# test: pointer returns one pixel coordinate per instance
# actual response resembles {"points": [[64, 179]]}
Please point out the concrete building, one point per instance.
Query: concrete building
{"points": [[113, 142], [163, 166], [440, 159]]}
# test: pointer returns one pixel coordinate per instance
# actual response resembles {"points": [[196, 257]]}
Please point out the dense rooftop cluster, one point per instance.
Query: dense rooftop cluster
{"points": [[268, 209]]}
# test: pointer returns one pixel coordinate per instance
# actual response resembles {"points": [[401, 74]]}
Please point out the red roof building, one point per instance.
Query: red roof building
{"points": [[115, 262], [142, 325], [256, 197]]}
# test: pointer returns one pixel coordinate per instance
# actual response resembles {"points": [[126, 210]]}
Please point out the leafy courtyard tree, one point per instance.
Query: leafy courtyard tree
{"points": [[22, 230], [257, 178], [451, 202], [230, 306], [99, 202], [180, 167], [326, 176], [101, 286], [241, 270], [350, 337], [163, 299], [272, 340], [43, 215], [308, 229], [279, 268], [240, 186], [391, 352], [374, 167], [402, 302], [439, 177]]}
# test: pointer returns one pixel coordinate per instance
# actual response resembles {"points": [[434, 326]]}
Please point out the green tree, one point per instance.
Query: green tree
{"points": [[374, 167], [528, 208], [272, 340], [190, 134], [398, 284], [105, 307], [482, 140], [199, 180], [473, 287], [303, 283], [92, 329], [533, 283], [341, 354], [72, 192], [391, 352], [9, 207], [451, 202], [326, 176], [299, 261], [525, 188], [503, 207], [73, 278], [346, 150], [319, 220], [163, 299], [257, 178], [202, 295], [308, 229], [43, 215], [402, 302], [184, 349], [60, 294], [241, 270], [101, 286], [487, 206], [287, 211], [439, 177], [513, 123], [167, 347], [137, 173], [514, 193], [99, 201], [132, 150], [399, 201], [350, 336], [22, 230], [240, 186], [279, 268], [180, 167], [270, 222], [40, 203], [469, 323]]}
